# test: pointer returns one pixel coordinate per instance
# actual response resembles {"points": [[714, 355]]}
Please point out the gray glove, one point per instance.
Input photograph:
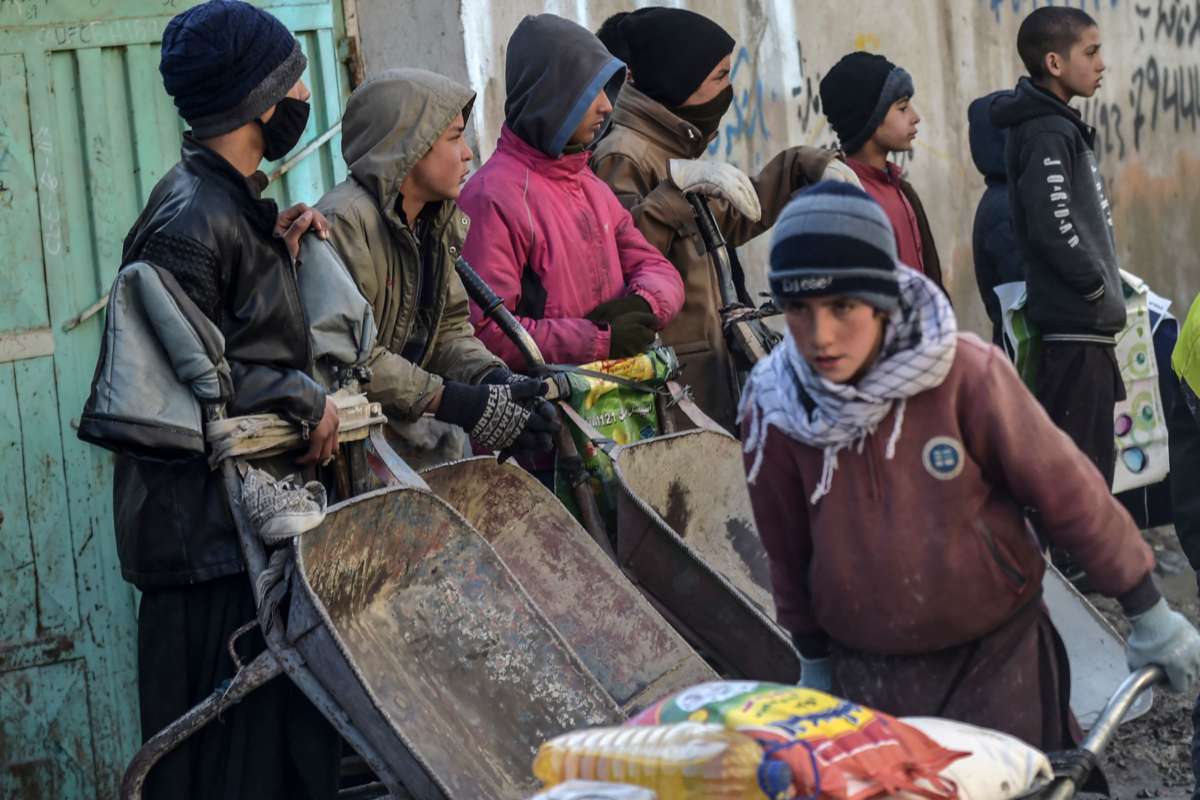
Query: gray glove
{"points": [[816, 673], [1167, 639], [717, 179], [839, 171]]}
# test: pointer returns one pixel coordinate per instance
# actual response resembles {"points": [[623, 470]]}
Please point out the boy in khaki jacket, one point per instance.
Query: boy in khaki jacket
{"points": [[398, 229]]}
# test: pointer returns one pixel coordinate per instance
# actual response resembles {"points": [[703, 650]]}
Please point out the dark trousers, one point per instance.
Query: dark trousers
{"points": [[274, 744], [1016, 679], [1196, 750], [1184, 428], [1079, 384]]}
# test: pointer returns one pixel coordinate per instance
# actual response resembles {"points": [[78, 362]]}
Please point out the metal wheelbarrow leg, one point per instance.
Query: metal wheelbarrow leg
{"points": [[248, 678]]}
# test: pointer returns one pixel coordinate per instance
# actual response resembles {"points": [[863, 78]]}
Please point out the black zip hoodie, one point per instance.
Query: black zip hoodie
{"points": [[993, 243], [1061, 216]]}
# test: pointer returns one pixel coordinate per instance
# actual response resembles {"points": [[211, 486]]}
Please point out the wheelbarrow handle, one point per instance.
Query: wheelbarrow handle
{"points": [[493, 308], [1126, 695], [716, 245], [1101, 734]]}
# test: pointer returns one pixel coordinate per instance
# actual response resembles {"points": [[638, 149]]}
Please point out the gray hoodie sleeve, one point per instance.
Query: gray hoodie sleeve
{"points": [[1046, 168]]}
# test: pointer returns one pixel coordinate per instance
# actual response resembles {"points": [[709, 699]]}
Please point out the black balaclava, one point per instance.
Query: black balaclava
{"points": [[670, 51], [707, 116], [283, 130]]}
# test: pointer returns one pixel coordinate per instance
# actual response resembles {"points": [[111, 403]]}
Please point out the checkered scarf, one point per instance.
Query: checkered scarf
{"points": [[918, 349]]}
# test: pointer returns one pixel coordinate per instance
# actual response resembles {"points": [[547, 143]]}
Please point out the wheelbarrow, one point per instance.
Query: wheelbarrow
{"points": [[410, 635], [685, 532], [673, 501], [696, 584], [634, 653]]}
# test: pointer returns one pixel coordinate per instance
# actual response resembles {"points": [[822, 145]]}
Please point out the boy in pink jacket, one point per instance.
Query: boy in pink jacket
{"points": [[548, 235]]}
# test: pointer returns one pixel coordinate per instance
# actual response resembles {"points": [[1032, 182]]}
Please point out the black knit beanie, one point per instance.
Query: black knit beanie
{"points": [[857, 94], [670, 51], [225, 63]]}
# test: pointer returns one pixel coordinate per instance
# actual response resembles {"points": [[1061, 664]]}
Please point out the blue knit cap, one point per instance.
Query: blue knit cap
{"points": [[833, 239], [225, 63]]}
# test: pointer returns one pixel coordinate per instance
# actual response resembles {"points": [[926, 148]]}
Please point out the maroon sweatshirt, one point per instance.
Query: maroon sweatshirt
{"points": [[930, 550]]}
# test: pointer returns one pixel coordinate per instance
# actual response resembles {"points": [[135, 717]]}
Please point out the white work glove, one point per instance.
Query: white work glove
{"points": [[717, 179], [839, 171], [816, 673], [1166, 639]]}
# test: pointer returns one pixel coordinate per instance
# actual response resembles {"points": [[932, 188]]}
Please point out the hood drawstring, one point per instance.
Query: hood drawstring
{"points": [[890, 452]]}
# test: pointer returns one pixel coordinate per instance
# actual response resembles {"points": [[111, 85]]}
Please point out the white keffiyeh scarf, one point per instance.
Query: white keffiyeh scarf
{"points": [[918, 350]]}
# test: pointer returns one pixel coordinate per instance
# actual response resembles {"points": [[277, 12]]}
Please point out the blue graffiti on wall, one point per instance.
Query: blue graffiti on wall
{"points": [[1019, 6], [749, 118]]}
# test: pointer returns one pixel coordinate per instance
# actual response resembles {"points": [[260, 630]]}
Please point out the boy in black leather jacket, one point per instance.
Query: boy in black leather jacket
{"points": [[234, 73]]}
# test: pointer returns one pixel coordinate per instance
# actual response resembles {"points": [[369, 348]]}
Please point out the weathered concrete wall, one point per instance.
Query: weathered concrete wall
{"points": [[1147, 112]]}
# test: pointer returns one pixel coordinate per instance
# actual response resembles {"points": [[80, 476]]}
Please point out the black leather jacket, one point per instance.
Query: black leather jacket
{"points": [[205, 224]]}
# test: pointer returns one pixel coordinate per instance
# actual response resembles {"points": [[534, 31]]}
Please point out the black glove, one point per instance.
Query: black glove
{"points": [[501, 376], [495, 416], [632, 333], [538, 436], [607, 312]]}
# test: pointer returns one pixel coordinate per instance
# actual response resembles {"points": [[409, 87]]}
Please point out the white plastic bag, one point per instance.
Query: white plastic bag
{"points": [[1000, 767], [594, 790]]}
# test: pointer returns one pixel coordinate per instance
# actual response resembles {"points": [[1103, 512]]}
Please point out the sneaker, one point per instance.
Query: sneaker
{"points": [[278, 509]]}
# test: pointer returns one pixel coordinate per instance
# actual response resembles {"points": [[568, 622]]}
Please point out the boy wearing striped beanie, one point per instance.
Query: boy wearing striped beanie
{"points": [[889, 458]]}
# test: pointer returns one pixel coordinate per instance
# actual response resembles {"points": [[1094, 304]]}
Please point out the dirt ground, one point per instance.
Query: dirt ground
{"points": [[1151, 756]]}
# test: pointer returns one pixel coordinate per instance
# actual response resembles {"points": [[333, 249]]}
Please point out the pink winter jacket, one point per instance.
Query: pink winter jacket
{"points": [[554, 217]]}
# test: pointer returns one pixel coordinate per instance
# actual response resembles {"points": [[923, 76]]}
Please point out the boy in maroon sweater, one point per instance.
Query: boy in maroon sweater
{"points": [[868, 101], [889, 459]]}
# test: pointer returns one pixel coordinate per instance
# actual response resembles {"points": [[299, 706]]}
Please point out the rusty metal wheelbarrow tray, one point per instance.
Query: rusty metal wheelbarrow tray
{"points": [[448, 672], [1095, 652], [625, 644], [686, 535]]}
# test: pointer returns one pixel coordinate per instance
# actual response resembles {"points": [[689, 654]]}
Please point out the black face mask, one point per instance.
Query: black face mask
{"points": [[284, 129], [707, 116]]}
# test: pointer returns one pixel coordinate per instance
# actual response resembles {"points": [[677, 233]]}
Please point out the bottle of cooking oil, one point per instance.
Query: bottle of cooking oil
{"points": [[683, 761]]}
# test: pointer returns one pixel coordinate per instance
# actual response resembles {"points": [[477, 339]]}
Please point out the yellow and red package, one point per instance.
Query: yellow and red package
{"points": [[825, 740]]}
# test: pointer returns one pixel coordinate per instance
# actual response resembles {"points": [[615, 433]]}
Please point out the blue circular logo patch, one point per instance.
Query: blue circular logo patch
{"points": [[943, 458]]}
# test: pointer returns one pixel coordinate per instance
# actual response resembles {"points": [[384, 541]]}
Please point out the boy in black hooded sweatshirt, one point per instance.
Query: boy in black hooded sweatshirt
{"points": [[1063, 223]]}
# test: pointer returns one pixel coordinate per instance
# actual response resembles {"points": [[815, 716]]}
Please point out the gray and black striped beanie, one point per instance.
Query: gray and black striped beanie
{"points": [[833, 239]]}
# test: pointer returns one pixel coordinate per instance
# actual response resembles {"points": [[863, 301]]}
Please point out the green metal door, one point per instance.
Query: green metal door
{"points": [[85, 131]]}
